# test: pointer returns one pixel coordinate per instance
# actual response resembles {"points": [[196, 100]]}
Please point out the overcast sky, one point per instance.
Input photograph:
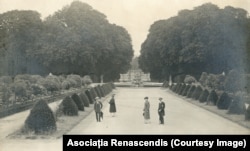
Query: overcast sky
{"points": [[135, 15]]}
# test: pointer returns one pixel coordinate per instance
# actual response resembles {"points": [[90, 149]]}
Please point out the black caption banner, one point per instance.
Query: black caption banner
{"points": [[158, 142]]}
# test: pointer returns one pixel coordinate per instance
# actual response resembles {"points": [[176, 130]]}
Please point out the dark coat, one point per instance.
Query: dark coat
{"points": [[98, 106], [112, 108], [161, 109]]}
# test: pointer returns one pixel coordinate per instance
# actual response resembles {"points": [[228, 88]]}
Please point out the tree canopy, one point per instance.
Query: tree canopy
{"points": [[205, 39], [74, 40]]}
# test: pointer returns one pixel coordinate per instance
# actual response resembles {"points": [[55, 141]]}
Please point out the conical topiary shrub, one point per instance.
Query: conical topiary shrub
{"points": [[69, 107], [212, 98], [91, 99], [247, 113], [224, 101], [177, 88], [197, 93], [78, 101], [93, 93], [182, 89], [236, 106], [85, 99], [173, 88], [41, 119], [185, 91], [191, 91], [97, 90], [104, 90], [203, 96]]}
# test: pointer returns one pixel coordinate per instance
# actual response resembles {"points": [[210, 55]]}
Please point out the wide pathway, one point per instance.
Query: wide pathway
{"points": [[181, 116]]}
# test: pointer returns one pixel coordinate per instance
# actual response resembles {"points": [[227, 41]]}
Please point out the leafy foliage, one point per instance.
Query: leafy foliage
{"points": [[196, 41], [74, 40]]}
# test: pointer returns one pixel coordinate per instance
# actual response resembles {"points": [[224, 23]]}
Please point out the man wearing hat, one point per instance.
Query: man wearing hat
{"points": [[98, 109], [161, 110]]}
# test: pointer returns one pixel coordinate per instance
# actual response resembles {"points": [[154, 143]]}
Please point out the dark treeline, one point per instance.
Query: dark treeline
{"points": [[74, 40], [205, 39]]}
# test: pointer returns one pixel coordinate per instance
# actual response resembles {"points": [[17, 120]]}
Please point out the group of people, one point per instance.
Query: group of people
{"points": [[161, 111], [98, 108], [112, 109]]}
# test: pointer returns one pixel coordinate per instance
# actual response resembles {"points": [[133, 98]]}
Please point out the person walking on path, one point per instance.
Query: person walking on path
{"points": [[146, 111], [161, 111], [112, 107], [98, 109]]}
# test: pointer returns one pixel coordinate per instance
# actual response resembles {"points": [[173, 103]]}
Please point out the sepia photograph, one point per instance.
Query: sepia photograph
{"points": [[116, 67]]}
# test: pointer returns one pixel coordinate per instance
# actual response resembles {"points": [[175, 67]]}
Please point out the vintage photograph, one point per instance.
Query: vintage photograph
{"points": [[116, 67]]}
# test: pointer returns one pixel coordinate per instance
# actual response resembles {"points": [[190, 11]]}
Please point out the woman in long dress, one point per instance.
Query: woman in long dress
{"points": [[146, 111], [112, 107]]}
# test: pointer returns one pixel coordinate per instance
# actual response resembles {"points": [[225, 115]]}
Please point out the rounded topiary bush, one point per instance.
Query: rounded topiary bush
{"points": [[247, 113], [85, 99], [78, 101], [69, 107], [203, 96], [41, 119], [191, 91], [90, 97], [224, 101], [212, 98], [185, 91], [197, 93], [237, 105]]}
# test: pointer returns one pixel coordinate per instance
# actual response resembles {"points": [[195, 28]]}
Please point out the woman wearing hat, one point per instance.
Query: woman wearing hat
{"points": [[98, 109], [112, 107], [146, 112]]}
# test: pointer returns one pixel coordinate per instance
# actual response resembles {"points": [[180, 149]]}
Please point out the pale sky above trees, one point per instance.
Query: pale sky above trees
{"points": [[134, 15]]}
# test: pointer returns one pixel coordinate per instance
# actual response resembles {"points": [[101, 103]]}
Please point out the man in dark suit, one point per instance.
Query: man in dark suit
{"points": [[98, 109], [161, 110]]}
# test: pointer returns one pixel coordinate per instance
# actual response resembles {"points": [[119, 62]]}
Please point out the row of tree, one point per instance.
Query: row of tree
{"points": [[205, 39], [74, 40]]}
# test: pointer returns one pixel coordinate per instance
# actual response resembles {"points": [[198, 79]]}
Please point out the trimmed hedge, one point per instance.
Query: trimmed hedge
{"points": [[191, 91], [69, 107], [178, 88], [90, 97], [41, 119], [85, 99], [97, 91], [182, 89], [224, 101], [185, 91], [247, 114], [236, 106], [78, 101], [197, 93], [93, 93], [203, 96], [212, 98]]}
